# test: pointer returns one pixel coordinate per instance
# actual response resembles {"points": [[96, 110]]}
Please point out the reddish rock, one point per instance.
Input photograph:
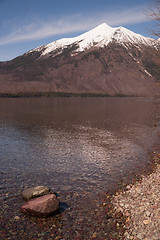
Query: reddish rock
{"points": [[42, 206]]}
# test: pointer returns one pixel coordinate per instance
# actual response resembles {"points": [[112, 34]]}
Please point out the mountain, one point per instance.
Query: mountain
{"points": [[105, 60]]}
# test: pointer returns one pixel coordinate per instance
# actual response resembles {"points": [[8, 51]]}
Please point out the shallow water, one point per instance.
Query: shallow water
{"points": [[73, 145]]}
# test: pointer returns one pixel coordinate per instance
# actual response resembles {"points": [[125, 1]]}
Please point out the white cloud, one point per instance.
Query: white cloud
{"points": [[37, 29]]}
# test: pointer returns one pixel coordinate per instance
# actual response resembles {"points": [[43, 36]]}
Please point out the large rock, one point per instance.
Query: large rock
{"points": [[44, 206], [34, 192]]}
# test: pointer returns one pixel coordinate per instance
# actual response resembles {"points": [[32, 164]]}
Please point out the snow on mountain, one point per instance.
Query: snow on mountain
{"points": [[113, 61], [98, 37]]}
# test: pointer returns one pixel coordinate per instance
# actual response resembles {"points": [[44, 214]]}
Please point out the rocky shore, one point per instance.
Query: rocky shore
{"points": [[140, 204], [130, 214]]}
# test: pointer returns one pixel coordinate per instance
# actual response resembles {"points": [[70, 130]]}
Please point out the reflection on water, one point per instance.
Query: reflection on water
{"points": [[97, 139], [74, 144]]}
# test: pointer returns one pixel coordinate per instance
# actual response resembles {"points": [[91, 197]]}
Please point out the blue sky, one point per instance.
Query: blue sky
{"points": [[26, 24]]}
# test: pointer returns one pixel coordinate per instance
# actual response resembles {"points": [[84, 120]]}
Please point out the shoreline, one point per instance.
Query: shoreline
{"points": [[62, 94], [86, 214], [109, 214], [139, 205]]}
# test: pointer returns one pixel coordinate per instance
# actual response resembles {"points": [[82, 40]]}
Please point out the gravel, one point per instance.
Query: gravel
{"points": [[140, 204]]}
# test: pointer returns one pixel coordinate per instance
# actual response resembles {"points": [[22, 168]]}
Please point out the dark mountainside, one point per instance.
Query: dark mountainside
{"points": [[113, 69]]}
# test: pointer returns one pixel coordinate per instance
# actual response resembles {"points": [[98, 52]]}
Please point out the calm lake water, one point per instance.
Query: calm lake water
{"points": [[73, 145]]}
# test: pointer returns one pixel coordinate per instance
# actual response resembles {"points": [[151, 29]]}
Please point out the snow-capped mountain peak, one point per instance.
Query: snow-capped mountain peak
{"points": [[84, 41], [105, 61], [100, 36]]}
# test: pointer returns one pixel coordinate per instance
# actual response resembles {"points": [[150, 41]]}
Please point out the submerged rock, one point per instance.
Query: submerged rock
{"points": [[43, 206], [34, 192]]}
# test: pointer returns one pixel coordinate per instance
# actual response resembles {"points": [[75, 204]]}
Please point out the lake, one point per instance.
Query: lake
{"points": [[79, 147]]}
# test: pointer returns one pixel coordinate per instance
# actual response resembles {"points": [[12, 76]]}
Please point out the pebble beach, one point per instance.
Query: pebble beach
{"points": [[140, 205]]}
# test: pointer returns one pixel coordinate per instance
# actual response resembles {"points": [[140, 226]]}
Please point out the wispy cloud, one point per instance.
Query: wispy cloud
{"points": [[38, 29]]}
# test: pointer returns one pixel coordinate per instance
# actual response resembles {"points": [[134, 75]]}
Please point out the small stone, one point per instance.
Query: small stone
{"points": [[146, 222], [127, 236], [128, 219], [120, 209], [140, 236], [121, 204], [127, 214], [148, 213], [94, 235], [34, 192]]}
